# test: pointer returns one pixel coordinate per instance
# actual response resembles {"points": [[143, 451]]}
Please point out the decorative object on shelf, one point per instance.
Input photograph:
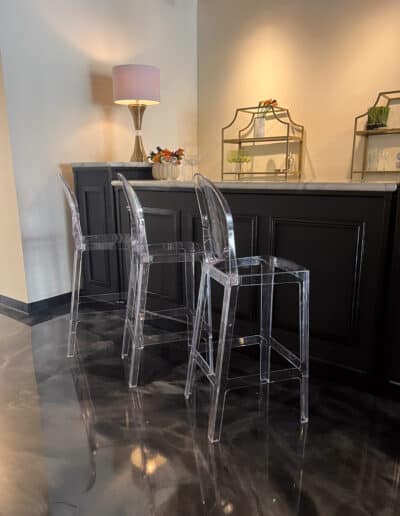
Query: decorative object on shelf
{"points": [[260, 157], [240, 160], [259, 127], [377, 117], [136, 86], [374, 155], [259, 122], [167, 164], [291, 162]]}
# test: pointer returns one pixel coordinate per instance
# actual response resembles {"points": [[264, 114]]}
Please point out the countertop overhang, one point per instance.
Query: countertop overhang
{"points": [[346, 186], [112, 164]]}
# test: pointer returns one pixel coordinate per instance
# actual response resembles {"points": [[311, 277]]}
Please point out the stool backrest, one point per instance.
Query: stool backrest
{"points": [[217, 224], [73, 205], [136, 217]]}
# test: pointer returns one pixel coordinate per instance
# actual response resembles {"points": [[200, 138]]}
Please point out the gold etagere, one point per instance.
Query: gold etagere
{"points": [[286, 146], [361, 165]]}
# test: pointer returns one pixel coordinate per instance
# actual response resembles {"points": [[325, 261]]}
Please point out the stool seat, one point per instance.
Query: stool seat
{"points": [[252, 270], [104, 242], [177, 251]]}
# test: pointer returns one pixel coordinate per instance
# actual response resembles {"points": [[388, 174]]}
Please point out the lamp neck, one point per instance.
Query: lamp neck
{"points": [[137, 111]]}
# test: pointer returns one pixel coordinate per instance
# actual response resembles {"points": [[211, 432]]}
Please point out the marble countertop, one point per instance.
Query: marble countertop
{"points": [[351, 186], [122, 164]]}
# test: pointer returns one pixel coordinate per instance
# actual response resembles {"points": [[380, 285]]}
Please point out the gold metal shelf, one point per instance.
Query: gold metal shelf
{"points": [[373, 132], [360, 146], [276, 173], [264, 139], [376, 171], [245, 136]]}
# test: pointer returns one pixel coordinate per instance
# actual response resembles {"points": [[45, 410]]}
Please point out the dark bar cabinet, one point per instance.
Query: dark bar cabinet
{"points": [[348, 237]]}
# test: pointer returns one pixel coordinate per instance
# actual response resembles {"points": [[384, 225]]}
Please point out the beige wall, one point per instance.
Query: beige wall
{"points": [[323, 60], [12, 273], [57, 59]]}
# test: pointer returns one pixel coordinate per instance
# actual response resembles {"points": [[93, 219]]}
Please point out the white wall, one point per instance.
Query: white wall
{"points": [[57, 59], [324, 60]]}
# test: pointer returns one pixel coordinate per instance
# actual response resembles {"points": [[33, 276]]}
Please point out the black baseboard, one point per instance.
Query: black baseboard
{"points": [[37, 306]]}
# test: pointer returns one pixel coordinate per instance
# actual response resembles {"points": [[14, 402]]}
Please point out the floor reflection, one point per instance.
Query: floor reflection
{"points": [[100, 449]]}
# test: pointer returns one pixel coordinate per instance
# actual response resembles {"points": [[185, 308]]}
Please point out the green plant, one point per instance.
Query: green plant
{"points": [[238, 156], [378, 116]]}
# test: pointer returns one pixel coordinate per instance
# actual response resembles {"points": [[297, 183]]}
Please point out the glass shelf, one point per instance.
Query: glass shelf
{"points": [[264, 139], [376, 171], [375, 132]]}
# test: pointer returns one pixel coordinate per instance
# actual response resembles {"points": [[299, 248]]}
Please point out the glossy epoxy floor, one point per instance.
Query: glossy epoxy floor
{"points": [[75, 441]]}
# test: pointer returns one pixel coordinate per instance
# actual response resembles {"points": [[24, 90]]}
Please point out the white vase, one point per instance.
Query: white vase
{"points": [[156, 171], [166, 171], [259, 127]]}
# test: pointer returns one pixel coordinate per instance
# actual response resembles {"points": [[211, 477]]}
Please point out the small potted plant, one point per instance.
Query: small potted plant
{"points": [[239, 160], [166, 163], [377, 117]]}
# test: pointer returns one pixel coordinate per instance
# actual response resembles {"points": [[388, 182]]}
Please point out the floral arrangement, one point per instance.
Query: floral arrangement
{"points": [[167, 156], [264, 105]]}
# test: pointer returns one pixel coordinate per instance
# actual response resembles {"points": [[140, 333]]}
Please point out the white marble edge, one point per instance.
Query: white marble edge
{"points": [[272, 185], [122, 164]]}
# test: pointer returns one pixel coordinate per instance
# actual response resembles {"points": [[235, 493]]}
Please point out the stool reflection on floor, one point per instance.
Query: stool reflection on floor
{"points": [[220, 264]]}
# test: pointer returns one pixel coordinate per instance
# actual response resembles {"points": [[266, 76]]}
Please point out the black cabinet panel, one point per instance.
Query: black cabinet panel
{"points": [[94, 194], [246, 240], [101, 269], [163, 225], [342, 238], [331, 250]]}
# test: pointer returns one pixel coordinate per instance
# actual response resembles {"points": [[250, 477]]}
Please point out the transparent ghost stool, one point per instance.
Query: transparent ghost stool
{"points": [[137, 312], [86, 243], [220, 264]]}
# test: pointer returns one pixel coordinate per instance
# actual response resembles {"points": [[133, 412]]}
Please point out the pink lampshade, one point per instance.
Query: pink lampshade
{"points": [[136, 84]]}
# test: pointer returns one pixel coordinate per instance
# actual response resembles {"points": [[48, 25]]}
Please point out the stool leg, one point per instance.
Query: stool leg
{"points": [[209, 326], [73, 319], [301, 450], [130, 303], [190, 303], [196, 333], [304, 300], [139, 317], [266, 311], [222, 366]]}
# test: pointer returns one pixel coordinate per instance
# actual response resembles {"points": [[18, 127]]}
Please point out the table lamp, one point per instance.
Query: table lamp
{"points": [[136, 86]]}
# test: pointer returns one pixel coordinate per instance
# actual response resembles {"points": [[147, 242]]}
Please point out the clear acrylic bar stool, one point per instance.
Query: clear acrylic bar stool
{"points": [[86, 243], [220, 264], [137, 313]]}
